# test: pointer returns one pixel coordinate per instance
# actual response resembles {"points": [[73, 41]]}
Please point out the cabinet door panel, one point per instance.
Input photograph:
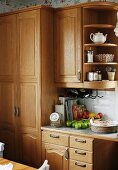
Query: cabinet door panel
{"points": [[28, 106], [67, 46], [30, 150], [27, 45], [7, 119], [7, 105], [7, 136], [55, 154], [7, 45]]}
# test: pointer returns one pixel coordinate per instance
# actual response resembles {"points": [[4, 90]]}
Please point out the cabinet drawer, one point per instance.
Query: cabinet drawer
{"points": [[81, 155], [55, 138], [81, 143], [77, 165]]}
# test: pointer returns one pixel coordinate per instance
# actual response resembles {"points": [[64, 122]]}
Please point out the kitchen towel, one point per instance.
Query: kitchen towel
{"points": [[6, 166]]}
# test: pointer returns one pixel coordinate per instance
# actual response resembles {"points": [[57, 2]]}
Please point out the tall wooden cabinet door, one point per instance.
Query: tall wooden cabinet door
{"points": [[7, 83], [7, 119], [28, 88], [7, 47], [28, 29], [56, 155], [67, 49]]}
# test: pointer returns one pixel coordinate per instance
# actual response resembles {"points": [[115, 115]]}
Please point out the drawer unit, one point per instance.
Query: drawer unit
{"points": [[81, 155], [81, 143], [55, 138], [78, 165]]}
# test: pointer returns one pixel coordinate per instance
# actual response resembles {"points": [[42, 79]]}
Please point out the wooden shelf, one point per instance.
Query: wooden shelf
{"points": [[104, 84], [99, 26], [101, 44], [98, 63]]}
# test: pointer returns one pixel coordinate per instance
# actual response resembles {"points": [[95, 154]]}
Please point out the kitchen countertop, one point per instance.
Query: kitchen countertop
{"points": [[83, 132]]}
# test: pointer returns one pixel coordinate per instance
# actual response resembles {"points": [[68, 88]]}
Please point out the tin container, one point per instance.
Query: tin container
{"points": [[90, 76], [95, 76]]}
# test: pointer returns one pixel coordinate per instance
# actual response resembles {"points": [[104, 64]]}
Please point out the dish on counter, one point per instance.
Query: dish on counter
{"points": [[106, 126]]}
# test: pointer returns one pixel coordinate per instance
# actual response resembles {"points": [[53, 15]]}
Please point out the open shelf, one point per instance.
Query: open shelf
{"points": [[99, 26], [99, 19], [101, 44], [104, 84], [96, 63]]}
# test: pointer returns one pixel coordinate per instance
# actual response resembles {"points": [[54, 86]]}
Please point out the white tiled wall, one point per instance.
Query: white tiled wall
{"points": [[108, 104]]}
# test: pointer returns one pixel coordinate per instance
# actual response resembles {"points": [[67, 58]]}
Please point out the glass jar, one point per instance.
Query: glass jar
{"points": [[89, 56]]}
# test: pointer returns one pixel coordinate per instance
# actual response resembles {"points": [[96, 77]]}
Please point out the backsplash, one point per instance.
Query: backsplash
{"points": [[108, 104], [11, 5]]}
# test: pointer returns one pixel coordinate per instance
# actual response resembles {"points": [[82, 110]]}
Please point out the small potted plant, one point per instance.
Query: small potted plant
{"points": [[111, 73]]}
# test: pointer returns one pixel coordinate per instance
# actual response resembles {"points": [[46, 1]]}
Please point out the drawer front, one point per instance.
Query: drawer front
{"points": [[81, 155], [55, 138], [81, 143], [77, 165]]}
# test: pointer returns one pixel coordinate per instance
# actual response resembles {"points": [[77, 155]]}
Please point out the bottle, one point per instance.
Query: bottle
{"points": [[99, 76]]}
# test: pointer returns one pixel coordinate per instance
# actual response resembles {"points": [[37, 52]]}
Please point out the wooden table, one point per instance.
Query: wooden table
{"points": [[16, 165]]}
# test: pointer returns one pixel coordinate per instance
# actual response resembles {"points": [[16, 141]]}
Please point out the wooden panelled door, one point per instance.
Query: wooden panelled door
{"points": [[7, 83], [67, 46], [28, 89], [56, 155]]}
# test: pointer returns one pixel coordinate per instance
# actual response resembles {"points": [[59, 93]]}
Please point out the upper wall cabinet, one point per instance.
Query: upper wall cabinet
{"points": [[67, 46], [86, 47], [100, 43]]}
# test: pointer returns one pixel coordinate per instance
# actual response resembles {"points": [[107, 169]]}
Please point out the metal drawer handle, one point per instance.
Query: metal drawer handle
{"points": [[66, 154], [78, 75], [80, 140], [80, 153], [81, 165], [54, 136]]}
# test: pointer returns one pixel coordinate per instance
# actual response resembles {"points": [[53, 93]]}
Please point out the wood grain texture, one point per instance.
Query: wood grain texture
{"points": [[79, 165], [55, 138], [55, 154], [81, 155], [67, 45]]}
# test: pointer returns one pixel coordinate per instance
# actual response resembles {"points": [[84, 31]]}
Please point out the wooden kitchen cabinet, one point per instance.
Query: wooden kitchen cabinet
{"points": [[72, 29], [27, 56], [8, 83], [56, 156], [28, 88], [55, 150], [81, 153], [67, 46], [79, 150]]}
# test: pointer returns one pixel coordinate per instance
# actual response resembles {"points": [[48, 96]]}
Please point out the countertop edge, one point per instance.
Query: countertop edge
{"points": [[83, 133]]}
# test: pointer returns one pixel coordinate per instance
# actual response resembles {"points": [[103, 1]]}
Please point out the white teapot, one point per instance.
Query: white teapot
{"points": [[98, 37]]}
